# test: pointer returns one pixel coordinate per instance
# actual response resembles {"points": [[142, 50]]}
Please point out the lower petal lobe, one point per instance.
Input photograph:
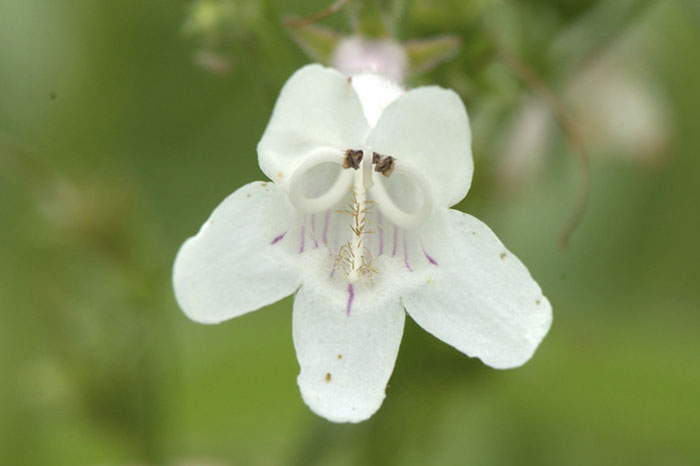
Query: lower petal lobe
{"points": [[346, 342], [481, 299], [237, 263]]}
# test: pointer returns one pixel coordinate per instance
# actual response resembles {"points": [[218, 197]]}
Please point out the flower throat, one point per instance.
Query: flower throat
{"points": [[354, 257]]}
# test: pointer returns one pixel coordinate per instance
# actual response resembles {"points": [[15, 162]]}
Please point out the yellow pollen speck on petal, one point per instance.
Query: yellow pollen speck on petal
{"points": [[340, 356], [328, 377], [503, 255], [280, 175]]}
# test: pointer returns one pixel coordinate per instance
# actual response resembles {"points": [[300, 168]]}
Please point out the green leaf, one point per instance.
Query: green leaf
{"points": [[370, 20], [424, 55], [318, 42]]}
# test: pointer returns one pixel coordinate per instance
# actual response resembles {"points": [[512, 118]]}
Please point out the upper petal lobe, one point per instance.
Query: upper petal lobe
{"points": [[429, 127], [317, 107]]}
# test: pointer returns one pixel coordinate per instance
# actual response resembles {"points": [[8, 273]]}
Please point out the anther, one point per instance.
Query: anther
{"points": [[384, 165], [352, 159]]}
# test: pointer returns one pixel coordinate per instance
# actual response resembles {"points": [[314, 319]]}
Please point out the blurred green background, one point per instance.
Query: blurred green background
{"points": [[124, 123]]}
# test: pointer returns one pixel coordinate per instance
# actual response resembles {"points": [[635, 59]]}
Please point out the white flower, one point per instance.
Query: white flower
{"points": [[358, 220]]}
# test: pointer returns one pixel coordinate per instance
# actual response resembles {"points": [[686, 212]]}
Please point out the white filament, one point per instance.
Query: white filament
{"points": [[333, 195], [388, 207]]}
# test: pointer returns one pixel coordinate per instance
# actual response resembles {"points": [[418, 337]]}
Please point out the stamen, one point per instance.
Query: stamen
{"points": [[394, 213], [332, 196], [353, 158], [383, 164], [356, 251]]}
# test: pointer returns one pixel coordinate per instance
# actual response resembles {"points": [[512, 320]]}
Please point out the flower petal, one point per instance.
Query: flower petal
{"points": [[480, 298], [236, 263], [346, 358], [429, 127], [317, 107]]}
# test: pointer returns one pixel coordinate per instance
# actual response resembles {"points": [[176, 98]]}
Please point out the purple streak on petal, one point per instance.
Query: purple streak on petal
{"points": [[430, 259], [278, 238], [302, 246], [351, 297], [336, 235], [333, 269], [380, 227], [396, 240], [313, 230], [325, 227], [427, 256], [405, 253]]}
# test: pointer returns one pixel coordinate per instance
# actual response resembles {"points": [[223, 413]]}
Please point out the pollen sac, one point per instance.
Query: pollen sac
{"points": [[352, 159], [383, 164]]}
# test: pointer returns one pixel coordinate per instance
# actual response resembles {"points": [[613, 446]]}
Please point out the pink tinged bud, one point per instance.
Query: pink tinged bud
{"points": [[357, 55]]}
